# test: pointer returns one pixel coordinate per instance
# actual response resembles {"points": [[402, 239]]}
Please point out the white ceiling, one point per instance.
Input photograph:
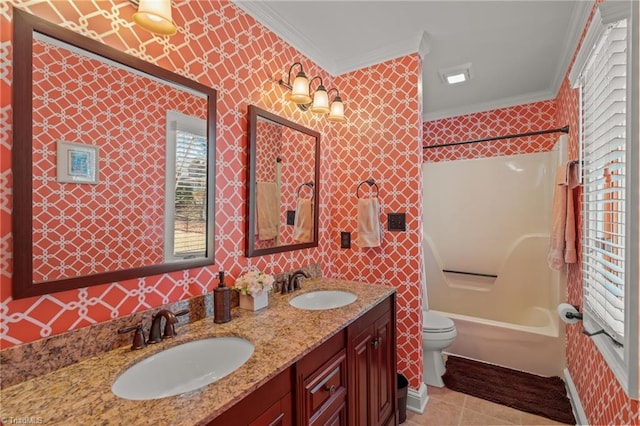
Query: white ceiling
{"points": [[519, 49]]}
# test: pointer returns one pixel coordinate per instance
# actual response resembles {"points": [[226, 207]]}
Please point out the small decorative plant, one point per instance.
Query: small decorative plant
{"points": [[254, 283]]}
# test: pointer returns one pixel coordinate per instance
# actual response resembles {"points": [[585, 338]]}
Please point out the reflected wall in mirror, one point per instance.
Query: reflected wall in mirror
{"points": [[149, 209], [283, 176]]}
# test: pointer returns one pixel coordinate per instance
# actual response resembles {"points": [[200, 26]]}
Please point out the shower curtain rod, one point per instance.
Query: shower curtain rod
{"points": [[564, 129]]}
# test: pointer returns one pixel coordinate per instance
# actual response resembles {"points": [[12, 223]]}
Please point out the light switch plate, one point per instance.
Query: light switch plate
{"points": [[396, 222], [291, 217], [345, 240]]}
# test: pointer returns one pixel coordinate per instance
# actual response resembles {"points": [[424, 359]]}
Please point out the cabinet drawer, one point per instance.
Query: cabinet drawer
{"points": [[326, 385]]}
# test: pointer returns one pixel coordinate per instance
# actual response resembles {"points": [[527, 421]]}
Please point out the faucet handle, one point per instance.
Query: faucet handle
{"points": [[284, 284], [170, 326], [181, 313], [138, 336]]}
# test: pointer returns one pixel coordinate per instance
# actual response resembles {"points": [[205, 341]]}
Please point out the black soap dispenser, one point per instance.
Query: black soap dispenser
{"points": [[221, 301]]}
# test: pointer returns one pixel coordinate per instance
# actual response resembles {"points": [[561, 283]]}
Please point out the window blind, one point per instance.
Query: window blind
{"points": [[604, 104], [190, 229]]}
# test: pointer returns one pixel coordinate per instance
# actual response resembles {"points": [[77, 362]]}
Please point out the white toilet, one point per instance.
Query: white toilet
{"points": [[438, 332]]}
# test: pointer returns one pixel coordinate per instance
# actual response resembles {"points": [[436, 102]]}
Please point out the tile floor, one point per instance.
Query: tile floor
{"points": [[447, 407]]}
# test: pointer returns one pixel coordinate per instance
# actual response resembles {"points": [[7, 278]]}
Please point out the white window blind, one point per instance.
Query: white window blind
{"points": [[190, 195], [186, 188], [604, 105]]}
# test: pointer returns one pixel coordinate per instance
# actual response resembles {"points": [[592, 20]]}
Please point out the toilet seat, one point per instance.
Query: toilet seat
{"points": [[435, 323]]}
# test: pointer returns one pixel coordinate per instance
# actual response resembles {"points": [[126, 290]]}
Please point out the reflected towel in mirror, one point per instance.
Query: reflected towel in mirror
{"points": [[369, 230], [267, 210], [303, 224]]}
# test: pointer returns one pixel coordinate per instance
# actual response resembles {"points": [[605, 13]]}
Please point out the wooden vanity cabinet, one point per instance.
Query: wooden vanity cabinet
{"points": [[371, 347], [348, 380]]}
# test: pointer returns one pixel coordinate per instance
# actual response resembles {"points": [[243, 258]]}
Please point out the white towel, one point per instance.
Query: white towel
{"points": [[267, 210], [369, 230], [303, 224]]}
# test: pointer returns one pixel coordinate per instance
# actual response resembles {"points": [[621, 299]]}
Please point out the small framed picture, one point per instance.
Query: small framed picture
{"points": [[77, 163]]}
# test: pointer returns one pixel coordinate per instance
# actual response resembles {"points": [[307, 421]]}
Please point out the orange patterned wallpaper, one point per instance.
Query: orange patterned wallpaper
{"points": [[235, 55], [382, 140], [505, 121], [240, 58]]}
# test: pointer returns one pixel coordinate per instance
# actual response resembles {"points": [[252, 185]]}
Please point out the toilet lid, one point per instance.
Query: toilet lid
{"points": [[436, 322]]}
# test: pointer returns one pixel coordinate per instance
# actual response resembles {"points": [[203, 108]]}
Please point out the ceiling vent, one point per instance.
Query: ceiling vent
{"points": [[455, 75]]}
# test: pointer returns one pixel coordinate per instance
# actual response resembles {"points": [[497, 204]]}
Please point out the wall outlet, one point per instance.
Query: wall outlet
{"points": [[345, 240], [396, 222], [291, 217]]}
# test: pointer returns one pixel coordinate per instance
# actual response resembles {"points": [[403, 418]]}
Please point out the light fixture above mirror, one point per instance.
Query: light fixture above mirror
{"points": [[300, 93], [154, 16]]}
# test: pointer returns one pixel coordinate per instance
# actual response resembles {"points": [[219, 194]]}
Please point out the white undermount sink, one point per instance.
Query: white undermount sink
{"points": [[183, 368], [323, 299]]}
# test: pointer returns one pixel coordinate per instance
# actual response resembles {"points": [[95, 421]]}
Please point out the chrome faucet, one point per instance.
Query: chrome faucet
{"points": [[294, 279], [169, 325]]}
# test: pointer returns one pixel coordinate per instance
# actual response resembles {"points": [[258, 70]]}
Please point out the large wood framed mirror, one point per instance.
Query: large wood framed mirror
{"points": [[283, 175], [113, 164]]}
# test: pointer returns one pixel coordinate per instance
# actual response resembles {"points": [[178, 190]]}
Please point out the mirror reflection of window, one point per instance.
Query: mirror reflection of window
{"points": [[186, 191]]}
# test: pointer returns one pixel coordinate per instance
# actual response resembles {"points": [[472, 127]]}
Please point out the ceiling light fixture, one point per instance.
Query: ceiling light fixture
{"points": [[316, 101], [456, 78], [155, 16], [455, 75]]}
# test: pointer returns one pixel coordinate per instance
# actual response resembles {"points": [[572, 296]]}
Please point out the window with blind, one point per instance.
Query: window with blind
{"points": [[186, 188], [609, 158], [604, 141]]}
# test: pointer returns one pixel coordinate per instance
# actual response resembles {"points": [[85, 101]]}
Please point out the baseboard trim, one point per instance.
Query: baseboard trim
{"points": [[578, 410], [417, 399]]}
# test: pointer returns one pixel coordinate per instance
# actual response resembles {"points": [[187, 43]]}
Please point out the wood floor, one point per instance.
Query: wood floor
{"points": [[447, 407]]}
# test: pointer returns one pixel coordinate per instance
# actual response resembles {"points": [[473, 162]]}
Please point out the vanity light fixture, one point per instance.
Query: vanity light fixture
{"points": [[155, 16], [317, 101]]}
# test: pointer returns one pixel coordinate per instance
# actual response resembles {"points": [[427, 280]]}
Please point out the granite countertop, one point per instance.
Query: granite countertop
{"points": [[81, 393]]}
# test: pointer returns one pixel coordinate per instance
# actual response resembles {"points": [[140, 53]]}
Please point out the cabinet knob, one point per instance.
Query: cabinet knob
{"points": [[376, 342], [331, 389]]}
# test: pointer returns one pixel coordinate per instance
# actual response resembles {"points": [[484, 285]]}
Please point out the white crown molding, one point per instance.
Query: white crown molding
{"points": [[577, 23], [490, 105], [382, 54], [268, 17]]}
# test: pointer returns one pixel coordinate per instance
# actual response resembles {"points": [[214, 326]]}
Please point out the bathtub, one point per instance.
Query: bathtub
{"points": [[537, 349], [492, 217]]}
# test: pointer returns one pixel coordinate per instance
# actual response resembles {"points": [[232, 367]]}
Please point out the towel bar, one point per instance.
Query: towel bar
{"points": [[477, 274], [369, 182], [309, 184]]}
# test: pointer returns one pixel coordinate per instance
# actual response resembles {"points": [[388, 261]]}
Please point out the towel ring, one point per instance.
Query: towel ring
{"points": [[310, 185], [369, 182]]}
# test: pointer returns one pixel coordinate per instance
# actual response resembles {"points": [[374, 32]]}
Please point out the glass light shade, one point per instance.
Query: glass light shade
{"points": [[337, 111], [300, 89], [320, 101], [155, 16]]}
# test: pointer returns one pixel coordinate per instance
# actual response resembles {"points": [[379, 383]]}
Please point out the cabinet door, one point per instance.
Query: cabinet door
{"points": [[360, 377], [383, 370], [372, 362], [279, 414]]}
